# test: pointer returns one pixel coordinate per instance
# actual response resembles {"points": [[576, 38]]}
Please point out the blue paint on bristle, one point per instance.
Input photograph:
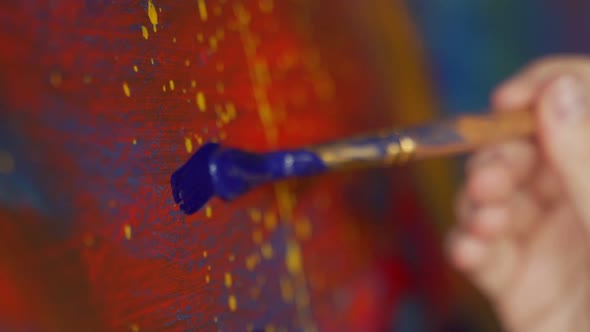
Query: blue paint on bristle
{"points": [[229, 173]]}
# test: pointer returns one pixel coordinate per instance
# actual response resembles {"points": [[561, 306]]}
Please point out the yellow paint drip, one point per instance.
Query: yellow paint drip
{"points": [[152, 61], [293, 258], [201, 102], [135, 69], [126, 89], [232, 303], [267, 251], [127, 231], [193, 84], [203, 10], [207, 279], [213, 43], [171, 83], [153, 15], [228, 280], [205, 253], [134, 141], [270, 221], [144, 32], [187, 62], [208, 212]]}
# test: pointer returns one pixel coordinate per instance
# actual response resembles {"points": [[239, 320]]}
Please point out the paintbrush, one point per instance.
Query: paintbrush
{"points": [[228, 173]]}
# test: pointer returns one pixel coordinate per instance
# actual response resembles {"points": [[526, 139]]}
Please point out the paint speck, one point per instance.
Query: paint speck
{"points": [[213, 43], [135, 69], [127, 231], [303, 229], [266, 6], [134, 327], [207, 279], [193, 84], [126, 89], [153, 15], [88, 240], [205, 254], [171, 83], [188, 144], [7, 164], [257, 236], [270, 221], [252, 261], [164, 88], [255, 215], [293, 258], [267, 251], [144, 32], [174, 39], [187, 62], [209, 267], [232, 302], [287, 289], [228, 279], [134, 141], [55, 79], [208, 211], [201, 102], [152, 61], [203, 10]]}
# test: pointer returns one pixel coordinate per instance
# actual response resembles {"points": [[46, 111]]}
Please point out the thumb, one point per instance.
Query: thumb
{"points": [[564, 129]]}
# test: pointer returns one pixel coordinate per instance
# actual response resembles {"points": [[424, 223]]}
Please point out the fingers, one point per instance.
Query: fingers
{"points": [[564, 132], [522, 89]]}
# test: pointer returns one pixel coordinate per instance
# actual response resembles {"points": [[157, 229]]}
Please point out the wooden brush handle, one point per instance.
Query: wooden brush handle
{"points": [[443, 138], [469, 132]]}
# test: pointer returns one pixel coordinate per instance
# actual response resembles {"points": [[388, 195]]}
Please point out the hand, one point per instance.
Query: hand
{"points": [[523, 235]]}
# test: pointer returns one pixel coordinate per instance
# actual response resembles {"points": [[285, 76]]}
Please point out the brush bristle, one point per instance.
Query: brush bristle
{"points": [[191, 185]]}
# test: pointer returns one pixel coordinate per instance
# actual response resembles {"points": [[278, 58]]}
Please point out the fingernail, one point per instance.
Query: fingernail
{"points": [[569, 100]]}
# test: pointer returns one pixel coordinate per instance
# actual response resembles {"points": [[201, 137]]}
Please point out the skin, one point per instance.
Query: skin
{"points": [[523, 231]]}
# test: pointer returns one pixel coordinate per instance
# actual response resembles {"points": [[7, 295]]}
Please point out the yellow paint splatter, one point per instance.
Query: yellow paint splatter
{"points": [[193, 84], [266, 6], [127, 231], [134, 141], [164, 87], [126, 89], [174, 39], [255, 215], [287, 289], [145, 33], [228, 280], [213, 43], [207, 279], [209, 267], [293, 258], [270, 221], [203, 10], [152, 61], [201, 102], [153, 15], [267, 251], [7, 164], [135, 69], [252, 261], [187, 62], [208, 211], [257, 236], [55, 79], [232, 302], [171, 83], [188, 144]]}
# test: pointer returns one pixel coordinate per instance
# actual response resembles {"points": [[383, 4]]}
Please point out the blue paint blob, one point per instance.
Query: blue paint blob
{"points": [[229, 173]]}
